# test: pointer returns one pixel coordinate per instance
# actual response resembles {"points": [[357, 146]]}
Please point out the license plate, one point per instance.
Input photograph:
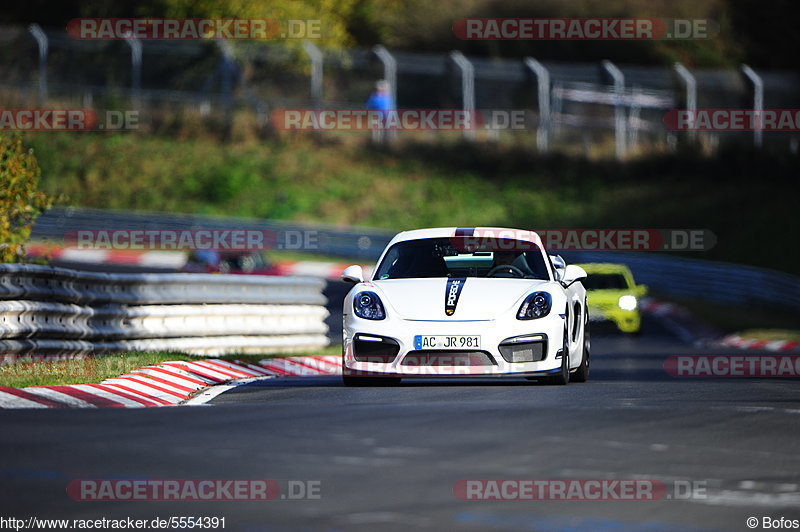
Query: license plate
{"points": [[446, 342]]}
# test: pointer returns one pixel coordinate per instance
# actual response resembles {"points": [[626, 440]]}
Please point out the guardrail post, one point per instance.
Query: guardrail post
{"points": [[619, 109], [136, 70], [467, 89], [41, 41], [543, 83], [758, 103], [316, 58], [690, 86], [390, 75]]}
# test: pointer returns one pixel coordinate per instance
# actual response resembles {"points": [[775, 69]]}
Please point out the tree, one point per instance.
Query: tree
{"points": [[20, 200]]}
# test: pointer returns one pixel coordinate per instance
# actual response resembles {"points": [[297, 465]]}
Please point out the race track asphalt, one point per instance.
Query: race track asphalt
{"points": [[388, 458]]}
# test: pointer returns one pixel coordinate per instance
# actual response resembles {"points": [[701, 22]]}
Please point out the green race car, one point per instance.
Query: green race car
{"points": [[614, 295]]}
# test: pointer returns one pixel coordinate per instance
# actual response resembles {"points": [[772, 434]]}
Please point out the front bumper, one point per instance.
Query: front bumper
{"points": [[540, 340], [627, 321]]}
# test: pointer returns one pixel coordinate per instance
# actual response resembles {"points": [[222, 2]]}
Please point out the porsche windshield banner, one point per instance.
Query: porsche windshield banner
{"points": [[452, 293]]}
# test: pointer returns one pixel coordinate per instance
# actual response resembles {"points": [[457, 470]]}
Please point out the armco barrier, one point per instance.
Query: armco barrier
{"points": [[701, 279], [55, 311], [354, 242], [665, 273]]}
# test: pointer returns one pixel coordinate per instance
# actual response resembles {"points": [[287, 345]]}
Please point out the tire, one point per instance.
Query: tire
{"points": [[582, 373], [361, 382], [562, 377]]}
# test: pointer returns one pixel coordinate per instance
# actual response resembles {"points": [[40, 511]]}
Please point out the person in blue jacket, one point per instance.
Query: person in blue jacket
{"points": [[380, 100]]}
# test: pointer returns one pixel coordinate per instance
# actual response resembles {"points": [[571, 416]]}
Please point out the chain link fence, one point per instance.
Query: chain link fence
{"points": [[569, 106]]}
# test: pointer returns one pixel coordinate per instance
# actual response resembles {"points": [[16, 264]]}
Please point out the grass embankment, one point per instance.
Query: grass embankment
{"points": [[746, 199], [94, 370]]}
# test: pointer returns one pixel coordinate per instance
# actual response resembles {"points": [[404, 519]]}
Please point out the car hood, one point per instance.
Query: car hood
{"points": [[479, 298], [606, 296]]}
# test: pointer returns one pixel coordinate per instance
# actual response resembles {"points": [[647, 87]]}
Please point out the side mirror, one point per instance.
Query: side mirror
{"points": [[573, 274], [641, 290], [559, 264], [353, 274]]}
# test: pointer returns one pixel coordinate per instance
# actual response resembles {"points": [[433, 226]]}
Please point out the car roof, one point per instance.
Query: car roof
{"points": [[477, 232]]}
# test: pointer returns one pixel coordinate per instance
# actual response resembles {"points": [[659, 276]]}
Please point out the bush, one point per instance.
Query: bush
{"points": [[20, 200]]}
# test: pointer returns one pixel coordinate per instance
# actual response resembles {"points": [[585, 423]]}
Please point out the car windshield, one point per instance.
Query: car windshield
{"points": [[450, 257], [605, 281]]}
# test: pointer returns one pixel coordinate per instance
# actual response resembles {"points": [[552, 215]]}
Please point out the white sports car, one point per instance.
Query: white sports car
{"points": [[463, 302]]}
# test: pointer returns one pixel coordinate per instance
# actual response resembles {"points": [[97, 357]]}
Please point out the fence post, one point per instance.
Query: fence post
{"points": [[389, 69], [467, 89], [619, 109], [758, 103], [315, 55], [226, 82], [390, 75], [41, 41], [543, 82], [690, 85], [136, 69]]}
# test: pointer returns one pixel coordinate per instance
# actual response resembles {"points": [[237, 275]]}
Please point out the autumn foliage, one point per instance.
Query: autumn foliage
{"points": [[21, 201]]}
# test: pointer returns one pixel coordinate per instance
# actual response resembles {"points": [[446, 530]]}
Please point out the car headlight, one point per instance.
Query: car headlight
{"points": [[536, 305], [368, 305], [627, 302]]}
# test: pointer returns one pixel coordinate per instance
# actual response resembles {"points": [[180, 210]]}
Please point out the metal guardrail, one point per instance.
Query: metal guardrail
{"points": [[26, 281], [703, 280], [46, 310], [666, 274], [354, 242]]}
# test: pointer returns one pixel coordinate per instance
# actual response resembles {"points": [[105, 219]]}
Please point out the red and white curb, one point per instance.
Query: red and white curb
{"points": [[176, 260], [679, 321], [678, 317], [165, 384], [154, 259], [661, 308], [326, 270], [734, 340]]}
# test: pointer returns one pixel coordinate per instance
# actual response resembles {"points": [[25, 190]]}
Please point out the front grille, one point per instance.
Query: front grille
{"points": [[425, 357], [534, 351], [378, 349]]}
